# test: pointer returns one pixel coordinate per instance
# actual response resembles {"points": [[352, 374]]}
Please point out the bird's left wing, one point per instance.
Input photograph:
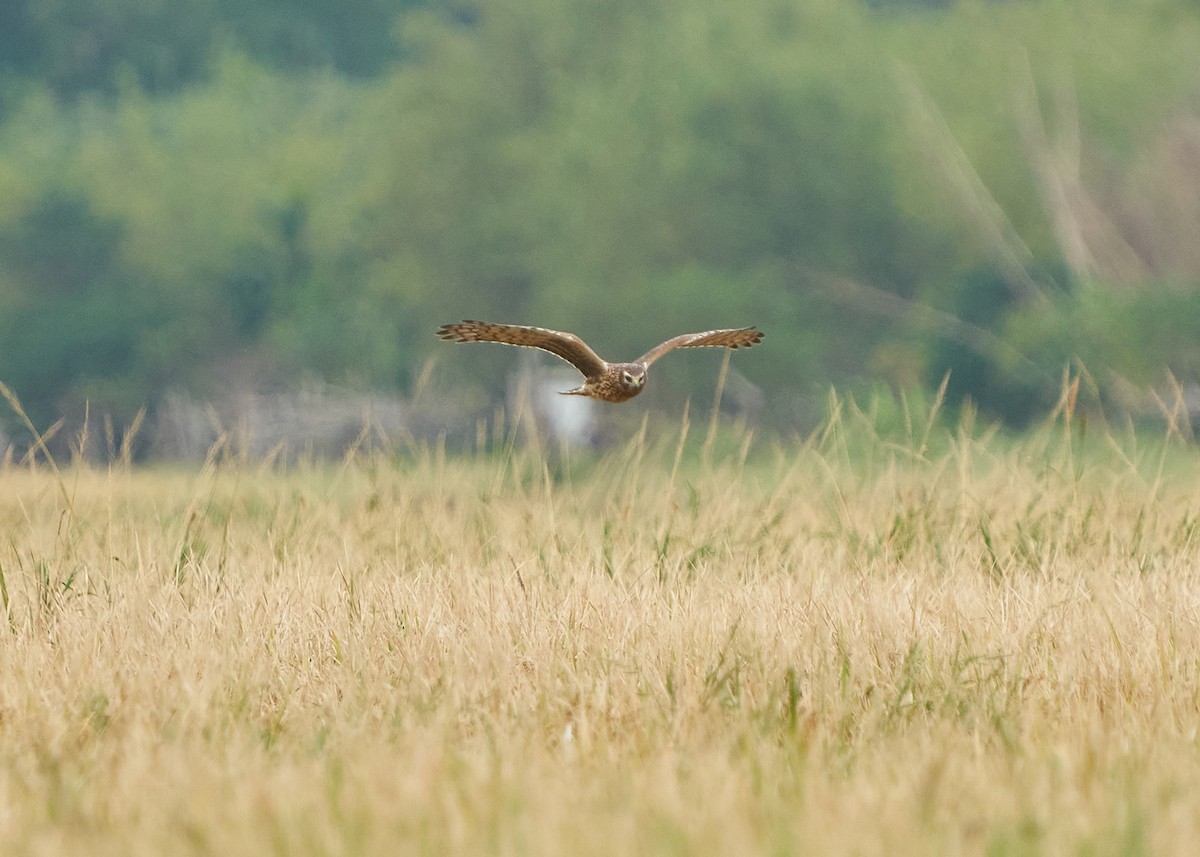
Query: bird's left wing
{"points": [[741, 337]]}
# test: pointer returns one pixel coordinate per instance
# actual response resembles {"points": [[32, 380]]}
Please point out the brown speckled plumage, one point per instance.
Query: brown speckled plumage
{"points": [[610, 382]]}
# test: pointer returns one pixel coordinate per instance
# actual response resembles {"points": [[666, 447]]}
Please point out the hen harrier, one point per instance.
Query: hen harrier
{"points": [[612, 382]]}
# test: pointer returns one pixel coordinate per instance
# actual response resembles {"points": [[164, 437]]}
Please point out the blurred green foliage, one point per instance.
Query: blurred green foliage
{"points": [[208, 194], [79, 47]]}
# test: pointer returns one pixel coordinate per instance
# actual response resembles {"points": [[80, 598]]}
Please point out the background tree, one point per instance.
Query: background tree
{"points": [[215, 195]]}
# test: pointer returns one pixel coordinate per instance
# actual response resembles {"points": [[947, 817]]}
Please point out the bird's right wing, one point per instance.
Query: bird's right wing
{"points": [[568, 346]]}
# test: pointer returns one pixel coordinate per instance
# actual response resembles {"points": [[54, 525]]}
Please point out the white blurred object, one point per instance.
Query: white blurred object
{"points": [[570, 420]]}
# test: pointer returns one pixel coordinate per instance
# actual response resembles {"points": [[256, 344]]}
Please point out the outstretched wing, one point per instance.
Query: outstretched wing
{"points": [[568, 346], [742, 337]]}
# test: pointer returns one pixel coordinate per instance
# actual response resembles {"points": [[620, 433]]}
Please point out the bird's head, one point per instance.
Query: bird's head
{"points": [[633, 377]]}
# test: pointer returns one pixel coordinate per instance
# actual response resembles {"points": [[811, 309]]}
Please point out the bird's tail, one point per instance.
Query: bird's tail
{"points": [[578, 391]]}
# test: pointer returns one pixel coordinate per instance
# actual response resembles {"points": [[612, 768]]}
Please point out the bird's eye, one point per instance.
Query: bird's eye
{"points": [[627, 378]]}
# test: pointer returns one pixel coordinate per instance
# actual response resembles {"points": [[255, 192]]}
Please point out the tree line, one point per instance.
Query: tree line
{"points": [[206, 194]]}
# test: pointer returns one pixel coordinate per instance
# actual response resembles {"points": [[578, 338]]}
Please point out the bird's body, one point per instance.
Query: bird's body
{"points": [[609, 382], [618, 382]]}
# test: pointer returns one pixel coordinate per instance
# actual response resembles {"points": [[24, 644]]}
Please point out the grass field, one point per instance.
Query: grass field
{"points": [[929, 641]]}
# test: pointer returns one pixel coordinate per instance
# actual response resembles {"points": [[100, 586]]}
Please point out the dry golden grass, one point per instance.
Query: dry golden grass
{"points": [[948, 645]]}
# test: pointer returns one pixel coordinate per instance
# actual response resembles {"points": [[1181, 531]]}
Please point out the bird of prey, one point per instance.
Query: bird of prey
{"points": [[609, 382]]}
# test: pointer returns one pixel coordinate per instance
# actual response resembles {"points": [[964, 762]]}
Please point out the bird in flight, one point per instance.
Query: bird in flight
{"points": [[610, 382]]}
